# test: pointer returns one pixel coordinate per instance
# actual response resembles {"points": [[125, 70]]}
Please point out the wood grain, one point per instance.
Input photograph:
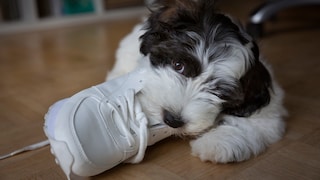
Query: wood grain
{"points": [[39, 68]]}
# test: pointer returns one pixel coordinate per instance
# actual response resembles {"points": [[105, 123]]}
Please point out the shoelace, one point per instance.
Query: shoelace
{"points": [[26, 148], [131, 114]]}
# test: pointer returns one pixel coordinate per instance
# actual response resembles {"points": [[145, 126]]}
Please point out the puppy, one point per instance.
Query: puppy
{"points": [[206, 80]]}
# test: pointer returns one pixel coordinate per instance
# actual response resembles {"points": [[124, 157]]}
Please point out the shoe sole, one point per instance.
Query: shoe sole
{"points": [[65, 161]]}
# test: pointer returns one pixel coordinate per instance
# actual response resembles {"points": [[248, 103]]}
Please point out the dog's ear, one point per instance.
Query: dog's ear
{"points": [[169, 11], [254, 88], [167, 16]]}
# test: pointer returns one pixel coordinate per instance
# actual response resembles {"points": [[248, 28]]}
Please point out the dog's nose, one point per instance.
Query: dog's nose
{"points": [[172, 120]]}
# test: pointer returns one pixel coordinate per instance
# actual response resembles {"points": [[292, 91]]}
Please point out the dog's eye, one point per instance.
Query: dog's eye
{"points": [[178, 66]]}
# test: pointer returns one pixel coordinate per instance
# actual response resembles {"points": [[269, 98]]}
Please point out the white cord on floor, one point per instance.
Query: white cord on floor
{"points": [[27, 148]]}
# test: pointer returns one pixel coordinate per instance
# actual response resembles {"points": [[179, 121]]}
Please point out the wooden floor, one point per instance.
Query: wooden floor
{"points": [[39, 68]]}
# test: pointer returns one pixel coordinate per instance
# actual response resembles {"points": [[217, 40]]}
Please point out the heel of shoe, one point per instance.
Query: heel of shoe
{"points": [[63, 156], [50, 117], [59, 149]]}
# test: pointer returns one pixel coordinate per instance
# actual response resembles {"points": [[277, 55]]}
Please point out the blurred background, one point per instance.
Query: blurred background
{"points": [[21, 15], [51, 49]]}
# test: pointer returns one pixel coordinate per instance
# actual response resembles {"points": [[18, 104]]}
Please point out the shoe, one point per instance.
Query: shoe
{"points": [[101, 127]]}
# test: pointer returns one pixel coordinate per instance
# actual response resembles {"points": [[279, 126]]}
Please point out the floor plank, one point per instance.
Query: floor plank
{"points": [[39, 68]]}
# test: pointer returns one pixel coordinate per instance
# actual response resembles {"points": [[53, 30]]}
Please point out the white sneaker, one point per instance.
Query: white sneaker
{"points": [[102, 126]]}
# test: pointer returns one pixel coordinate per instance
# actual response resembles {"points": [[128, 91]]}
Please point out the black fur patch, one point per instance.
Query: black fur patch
{"points": [[168, 53], [255, 85], [167, 42]]}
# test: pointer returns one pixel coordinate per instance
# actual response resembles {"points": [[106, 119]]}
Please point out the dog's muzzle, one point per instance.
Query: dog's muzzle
{"points": [[172, 120]]}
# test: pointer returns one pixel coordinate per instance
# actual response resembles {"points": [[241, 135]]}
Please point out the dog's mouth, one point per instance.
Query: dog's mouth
{"points": [[172, 119]]}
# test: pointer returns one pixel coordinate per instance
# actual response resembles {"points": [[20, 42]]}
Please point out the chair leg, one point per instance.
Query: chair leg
{"points": [[268, 10]]}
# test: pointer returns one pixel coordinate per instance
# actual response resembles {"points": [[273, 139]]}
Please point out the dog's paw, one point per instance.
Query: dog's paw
{"points": [[219, 150]]}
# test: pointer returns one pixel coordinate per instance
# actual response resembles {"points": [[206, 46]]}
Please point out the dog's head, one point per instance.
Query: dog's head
{"points": [[203, 64]]}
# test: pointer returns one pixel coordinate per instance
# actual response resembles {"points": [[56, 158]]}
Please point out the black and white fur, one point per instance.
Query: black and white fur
{"points": [[207, 80]]}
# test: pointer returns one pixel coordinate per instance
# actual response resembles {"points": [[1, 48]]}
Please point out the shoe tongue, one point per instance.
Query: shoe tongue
{"points": [[116, 87], [153, 122]]}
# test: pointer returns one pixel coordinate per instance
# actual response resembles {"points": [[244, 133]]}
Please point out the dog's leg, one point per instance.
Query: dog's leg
{"points": [[128, 53], [236, 139]]}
